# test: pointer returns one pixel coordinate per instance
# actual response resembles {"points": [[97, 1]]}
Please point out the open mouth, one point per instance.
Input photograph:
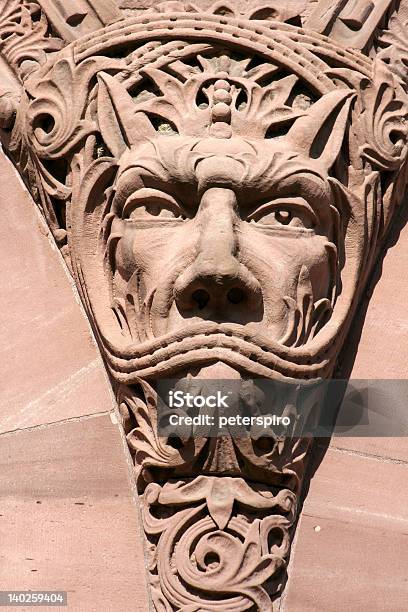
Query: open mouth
{"points": [[206, 342]]}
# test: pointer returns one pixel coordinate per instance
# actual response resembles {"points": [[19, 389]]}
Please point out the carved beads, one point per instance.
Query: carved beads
{"points": [[221, 109]]}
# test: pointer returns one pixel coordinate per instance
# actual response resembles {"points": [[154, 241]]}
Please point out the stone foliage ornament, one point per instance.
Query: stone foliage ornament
{"points": [[220, 179]]}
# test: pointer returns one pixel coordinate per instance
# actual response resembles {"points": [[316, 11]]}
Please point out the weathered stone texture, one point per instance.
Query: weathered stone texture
{"points": [[221, 180], [68, 519]]}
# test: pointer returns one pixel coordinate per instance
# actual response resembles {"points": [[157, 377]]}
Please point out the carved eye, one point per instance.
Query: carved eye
{"points": [[150, 204], [283, 216], [295, 213]]}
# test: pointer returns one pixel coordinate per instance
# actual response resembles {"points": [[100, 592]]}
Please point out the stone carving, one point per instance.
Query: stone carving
{"points": [[220, 182], [208, 557], [264, 11], [350, 23]]}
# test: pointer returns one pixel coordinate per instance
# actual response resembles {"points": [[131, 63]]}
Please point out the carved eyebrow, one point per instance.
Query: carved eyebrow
{"points": [[311, 192], [131, 179], [295, 184]]}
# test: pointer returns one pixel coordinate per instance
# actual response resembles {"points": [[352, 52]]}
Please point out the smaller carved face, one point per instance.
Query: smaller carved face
{"points": [[223, 230]]}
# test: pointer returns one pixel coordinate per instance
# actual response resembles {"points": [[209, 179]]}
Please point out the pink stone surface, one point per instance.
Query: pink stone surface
{"points": [[68, 519], [351, 551], [357, 560], [354, 519], [50, 366], [383, 346], [393, 449]]}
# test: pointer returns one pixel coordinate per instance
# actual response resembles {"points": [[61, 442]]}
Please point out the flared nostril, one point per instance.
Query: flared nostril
{"points": [[235, 295], [201, 297]]}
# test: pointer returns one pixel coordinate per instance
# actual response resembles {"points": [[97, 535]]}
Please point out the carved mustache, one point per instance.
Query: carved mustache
{"points": [[199, 343], [204, 342]]}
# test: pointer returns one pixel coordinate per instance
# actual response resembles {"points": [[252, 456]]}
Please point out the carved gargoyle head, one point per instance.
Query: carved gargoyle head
{"points": [[220, 198], [220, 183], [220, 219], [232, 212]]}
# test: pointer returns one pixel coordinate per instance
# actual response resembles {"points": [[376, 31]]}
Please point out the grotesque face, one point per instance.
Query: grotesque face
{"points": [[223, 186], [224, 206], [212, 228], [219, 203], [229, 231]]}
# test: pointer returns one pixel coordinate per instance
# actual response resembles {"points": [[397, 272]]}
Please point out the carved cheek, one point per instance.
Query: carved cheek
{"points": [[141, 247], [150, 251], [307, 253], [319, 264], [277, 262], [125, 261]]}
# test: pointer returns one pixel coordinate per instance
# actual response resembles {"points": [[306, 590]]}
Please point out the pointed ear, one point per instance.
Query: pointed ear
{"points": [[120, 124], [319, 134]]}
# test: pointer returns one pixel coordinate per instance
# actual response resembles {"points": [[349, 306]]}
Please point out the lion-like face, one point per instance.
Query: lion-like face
{"points": [[226, 231]]}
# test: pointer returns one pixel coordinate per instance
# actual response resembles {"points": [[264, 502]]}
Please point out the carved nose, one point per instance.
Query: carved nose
{"points": [[212, 294], [216, 283], [209, 290], [202, 297]]}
